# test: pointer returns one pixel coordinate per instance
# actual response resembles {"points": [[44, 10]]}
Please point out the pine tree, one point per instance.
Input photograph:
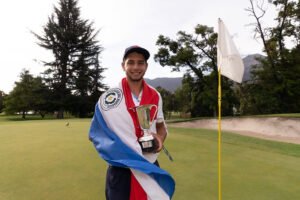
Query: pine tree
{"points": [[73, 43]]}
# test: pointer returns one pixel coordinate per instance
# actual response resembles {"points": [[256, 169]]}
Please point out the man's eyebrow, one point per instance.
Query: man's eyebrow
{"points": [[132, 60]]}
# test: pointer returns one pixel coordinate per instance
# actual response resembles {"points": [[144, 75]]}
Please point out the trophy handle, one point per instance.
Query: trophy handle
{"points": [[156, 109], [144, 117]]}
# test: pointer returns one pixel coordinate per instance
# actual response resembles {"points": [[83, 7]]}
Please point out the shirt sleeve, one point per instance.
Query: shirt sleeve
{"points": [[160, 113]]}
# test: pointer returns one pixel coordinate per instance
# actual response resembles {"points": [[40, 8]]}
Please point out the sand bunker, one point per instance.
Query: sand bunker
{"points": [[273, 128]]}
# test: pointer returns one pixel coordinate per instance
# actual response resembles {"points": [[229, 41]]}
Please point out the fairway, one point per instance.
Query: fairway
{"points": [[45, 159]]}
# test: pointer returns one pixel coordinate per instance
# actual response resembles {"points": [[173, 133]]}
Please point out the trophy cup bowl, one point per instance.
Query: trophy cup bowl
{"points": [[147, 140]]}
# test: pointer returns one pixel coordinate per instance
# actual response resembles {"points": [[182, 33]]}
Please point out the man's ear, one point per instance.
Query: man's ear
{"points": [[123, 66]]}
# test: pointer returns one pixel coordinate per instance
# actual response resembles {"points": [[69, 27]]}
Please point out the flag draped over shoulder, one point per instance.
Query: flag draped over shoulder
{"points": [[230, 63], [113, 133]]}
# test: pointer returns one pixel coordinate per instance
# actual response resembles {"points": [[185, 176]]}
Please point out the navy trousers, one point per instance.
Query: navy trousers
{"points": [[117, 185]]}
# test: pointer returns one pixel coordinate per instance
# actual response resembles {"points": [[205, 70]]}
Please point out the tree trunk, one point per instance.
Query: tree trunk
{"points": [[60, 114], [23, 115], [42, 114]]}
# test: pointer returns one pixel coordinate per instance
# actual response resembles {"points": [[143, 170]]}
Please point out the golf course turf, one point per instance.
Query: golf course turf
{"points": [[45, 159]]}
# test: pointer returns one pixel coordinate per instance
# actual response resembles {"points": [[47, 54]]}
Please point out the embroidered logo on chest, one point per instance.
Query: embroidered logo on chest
{"points": [[111, 98]]}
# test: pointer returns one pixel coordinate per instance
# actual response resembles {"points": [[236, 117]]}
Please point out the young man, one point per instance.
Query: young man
{"points": [[132, 174]]}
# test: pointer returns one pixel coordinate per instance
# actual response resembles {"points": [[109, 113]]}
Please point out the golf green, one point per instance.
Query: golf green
{"points": [[46, 159]]}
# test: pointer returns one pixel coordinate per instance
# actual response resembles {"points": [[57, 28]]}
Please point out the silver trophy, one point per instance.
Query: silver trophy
{"points": [[147, 140]]}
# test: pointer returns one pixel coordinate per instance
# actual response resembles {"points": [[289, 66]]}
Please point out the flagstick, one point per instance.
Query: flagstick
{"points": [[232, 65], [219, 133]]}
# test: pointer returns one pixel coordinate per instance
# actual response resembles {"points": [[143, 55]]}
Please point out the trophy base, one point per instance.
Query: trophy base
{"points": [[147, 143]]}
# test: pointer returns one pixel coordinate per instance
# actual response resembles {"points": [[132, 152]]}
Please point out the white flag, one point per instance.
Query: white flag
{"points": [[229, 59]]}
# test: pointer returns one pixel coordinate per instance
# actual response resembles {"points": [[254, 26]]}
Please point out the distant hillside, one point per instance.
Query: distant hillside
{"points": [[249, 62], [171, 84]]}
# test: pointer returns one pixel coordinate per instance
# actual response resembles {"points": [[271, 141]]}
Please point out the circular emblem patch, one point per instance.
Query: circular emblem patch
{"points": [[111, 98]]}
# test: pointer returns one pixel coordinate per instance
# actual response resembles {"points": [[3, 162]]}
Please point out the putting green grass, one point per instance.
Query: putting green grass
{"points": [[48, 160]]}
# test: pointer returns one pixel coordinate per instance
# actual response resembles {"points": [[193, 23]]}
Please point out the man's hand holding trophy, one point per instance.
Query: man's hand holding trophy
{"points": [[149, 142]]}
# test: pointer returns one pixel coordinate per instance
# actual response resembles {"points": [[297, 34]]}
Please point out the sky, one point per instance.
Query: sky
{"points": [[122, 23]]}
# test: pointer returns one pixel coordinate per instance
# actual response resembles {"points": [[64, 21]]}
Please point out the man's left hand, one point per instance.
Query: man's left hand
{"points": [[158, 142]]}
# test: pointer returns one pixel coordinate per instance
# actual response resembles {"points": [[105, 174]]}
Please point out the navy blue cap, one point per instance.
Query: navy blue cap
{"points": [[137, 49]]}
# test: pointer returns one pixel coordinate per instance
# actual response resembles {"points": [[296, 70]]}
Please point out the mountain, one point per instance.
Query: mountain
{"points": [[250, 61], [171, 84]]}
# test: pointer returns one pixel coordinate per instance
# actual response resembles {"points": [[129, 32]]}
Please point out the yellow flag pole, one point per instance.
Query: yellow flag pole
{"points": [[219, 134]]}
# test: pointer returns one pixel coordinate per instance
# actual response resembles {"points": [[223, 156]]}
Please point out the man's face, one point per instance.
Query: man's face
{"points": [[135, 66]]}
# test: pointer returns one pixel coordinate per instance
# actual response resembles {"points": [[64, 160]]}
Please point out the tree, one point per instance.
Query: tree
{"points": [[96, 86], [2, 96], [41, 97], [183, 95], [88, 86], [29, 94], [197, 54], [276, 79], [169, 103], [70, 75]]}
